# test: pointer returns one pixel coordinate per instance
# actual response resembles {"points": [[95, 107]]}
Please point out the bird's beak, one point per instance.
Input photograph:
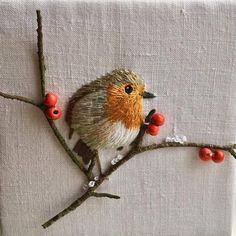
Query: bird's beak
{"points": [[147, 95]]}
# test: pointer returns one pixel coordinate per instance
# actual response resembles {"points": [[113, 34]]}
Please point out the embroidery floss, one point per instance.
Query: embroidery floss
{"points": [[107, 112]]}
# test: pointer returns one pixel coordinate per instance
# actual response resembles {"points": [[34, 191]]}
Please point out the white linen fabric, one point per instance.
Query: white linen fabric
{"points": [[185, 52]]}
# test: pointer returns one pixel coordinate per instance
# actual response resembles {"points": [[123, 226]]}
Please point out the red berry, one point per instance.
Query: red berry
{"points": [[53, 113], [205, 154], [50, 99], [218, 156], [158, 119], [152, 129]]}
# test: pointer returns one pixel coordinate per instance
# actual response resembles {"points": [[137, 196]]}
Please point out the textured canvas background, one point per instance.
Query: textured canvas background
{"points": [[186, 54]]}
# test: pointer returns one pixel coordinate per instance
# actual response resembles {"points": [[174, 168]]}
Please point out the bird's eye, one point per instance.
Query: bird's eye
{"points": [[128, 89]]}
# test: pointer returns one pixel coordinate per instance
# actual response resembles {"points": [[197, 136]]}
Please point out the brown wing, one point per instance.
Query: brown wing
{"points": [[80, 93], [70, 107]]}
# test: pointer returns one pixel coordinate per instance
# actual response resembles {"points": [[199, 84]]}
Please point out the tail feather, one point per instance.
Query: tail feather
{"points": [[83, 150]]}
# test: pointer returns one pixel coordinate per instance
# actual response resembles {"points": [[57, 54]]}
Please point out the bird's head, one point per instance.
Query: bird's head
{"points": [[125, 93]]}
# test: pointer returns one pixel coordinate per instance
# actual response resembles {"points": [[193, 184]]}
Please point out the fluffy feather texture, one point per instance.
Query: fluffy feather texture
{"points": [[103, 114]]}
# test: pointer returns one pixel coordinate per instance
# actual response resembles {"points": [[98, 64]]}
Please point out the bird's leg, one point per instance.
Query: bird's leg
{"points": [[91, 165], [99, 165], [93, 160]]}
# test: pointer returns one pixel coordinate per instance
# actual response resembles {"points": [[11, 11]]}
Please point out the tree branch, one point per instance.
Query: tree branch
{"points": [[42, 67], [133, 152], [175, 144], [19, 98], [72, 207]]}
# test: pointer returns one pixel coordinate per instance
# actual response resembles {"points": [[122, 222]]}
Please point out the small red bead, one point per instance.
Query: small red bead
{"points": [[205, 154], [218, 156], [50, 99], [153, 129], [53, 113], [158, 119]]}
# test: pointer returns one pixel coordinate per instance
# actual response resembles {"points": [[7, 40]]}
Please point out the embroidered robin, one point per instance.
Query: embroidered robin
{"points": [[107, 112]]}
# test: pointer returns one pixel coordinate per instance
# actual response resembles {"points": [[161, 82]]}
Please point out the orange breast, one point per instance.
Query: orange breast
{"points": [[123, 107]]}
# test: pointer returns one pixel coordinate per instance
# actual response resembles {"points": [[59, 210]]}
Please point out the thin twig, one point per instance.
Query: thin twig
{"points": [[42, 67], [90, 168], [149, 116], [19, 98], [95, 194], [174, 144], [99, 164]]}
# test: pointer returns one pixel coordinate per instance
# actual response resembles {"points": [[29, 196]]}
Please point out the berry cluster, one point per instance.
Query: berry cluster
{"points": [[157, 120], [50, 101], [207, 154]]}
